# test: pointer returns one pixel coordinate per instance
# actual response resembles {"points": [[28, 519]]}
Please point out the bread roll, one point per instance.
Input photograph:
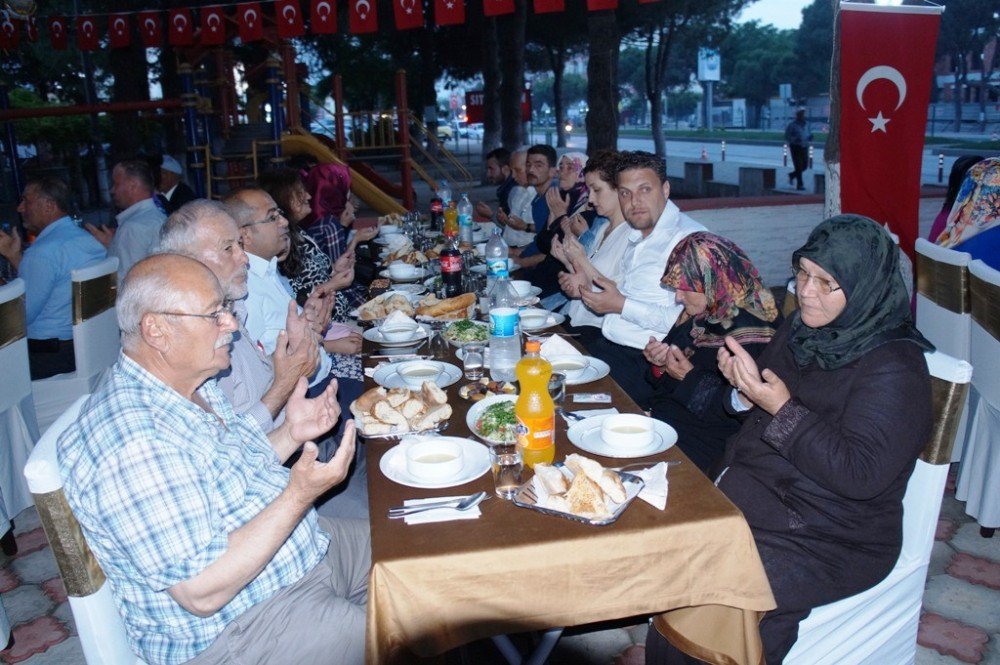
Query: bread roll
{"points": [[449, 308], [612, 485], [411, 408], [433, 417], [366, 402], [586, 499], [397, 397], [551, 478], [387, 414], [433, 395]]}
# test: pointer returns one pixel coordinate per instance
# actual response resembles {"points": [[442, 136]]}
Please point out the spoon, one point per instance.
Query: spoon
{"points": [[567, 415], [458, 504]]}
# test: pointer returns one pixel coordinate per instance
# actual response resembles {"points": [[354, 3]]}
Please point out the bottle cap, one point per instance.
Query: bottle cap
{"points": [[532, 346]]}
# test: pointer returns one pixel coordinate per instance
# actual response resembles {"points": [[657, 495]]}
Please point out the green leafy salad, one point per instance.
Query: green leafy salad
{"points": [[498, 422], [466, 331]]}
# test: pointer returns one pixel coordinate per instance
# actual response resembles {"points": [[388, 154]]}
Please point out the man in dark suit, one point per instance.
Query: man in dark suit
{"points": [[173, 191]]}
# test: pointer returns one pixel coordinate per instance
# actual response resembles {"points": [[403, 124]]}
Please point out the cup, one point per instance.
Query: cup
{"points": [[508, 469], [434, 459], [557, 388], [472, 360], [415, 372], [628, 431]]}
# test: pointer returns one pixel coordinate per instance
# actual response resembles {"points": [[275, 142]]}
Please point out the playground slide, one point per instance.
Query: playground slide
{"points": [[382, 203]]}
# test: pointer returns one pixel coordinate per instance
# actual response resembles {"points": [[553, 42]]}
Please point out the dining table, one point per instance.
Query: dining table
{"points": [[434, 587]]}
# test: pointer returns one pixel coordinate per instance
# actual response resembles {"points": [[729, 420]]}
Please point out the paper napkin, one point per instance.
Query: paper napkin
{"points": [[655, 491], [397, 317], [557, 346], [589, 413], [440, 514]]}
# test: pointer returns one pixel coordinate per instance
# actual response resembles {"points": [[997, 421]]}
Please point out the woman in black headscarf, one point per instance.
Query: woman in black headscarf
{"points": [[834, 420]]}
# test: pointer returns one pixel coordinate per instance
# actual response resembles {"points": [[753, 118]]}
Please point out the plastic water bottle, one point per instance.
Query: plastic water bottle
{"points": [[465, 221], [505, 337], [496, 258], [445, 195]]}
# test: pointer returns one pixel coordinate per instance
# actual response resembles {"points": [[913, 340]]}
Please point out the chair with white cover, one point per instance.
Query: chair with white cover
{"points": [[96, 341], [944, 311], [979, 474], [101, 630], [18, 427], [879, 626]]}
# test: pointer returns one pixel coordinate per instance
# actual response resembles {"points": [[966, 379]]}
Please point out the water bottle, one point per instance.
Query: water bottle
{"points": [[465, 221], [445, 195], [496, 258], [505, 337]]}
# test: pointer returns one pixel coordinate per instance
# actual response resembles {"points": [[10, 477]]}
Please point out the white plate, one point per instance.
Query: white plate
{"points": [[476, 410], [597, 369], [375, 335], [420, 274], [387, 377], [586, 434], [409, 289], [476, 463], [555, 319]]}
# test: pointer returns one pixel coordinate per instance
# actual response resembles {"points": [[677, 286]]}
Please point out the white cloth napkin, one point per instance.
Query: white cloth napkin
{"points": [[397, 317], [655, 491], [440, 514], [557, 346]]}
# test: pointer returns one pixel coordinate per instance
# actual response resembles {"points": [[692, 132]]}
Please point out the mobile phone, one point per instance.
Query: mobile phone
{"points": [[5, 227]]}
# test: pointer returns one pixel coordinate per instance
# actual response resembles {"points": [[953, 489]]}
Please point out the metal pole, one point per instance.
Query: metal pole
{"points": [[403, 112], [941, 167], [189, 101], [708, 106], [723, 151], [338, 116], [10, 145], [274, 92]]}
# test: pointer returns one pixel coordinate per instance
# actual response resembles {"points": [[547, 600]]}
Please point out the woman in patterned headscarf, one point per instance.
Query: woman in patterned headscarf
{"points": [[974, 222], [722, 296]]}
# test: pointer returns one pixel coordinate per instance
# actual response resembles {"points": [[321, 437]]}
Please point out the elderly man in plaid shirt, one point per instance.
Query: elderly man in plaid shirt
{"points": [[211, 546]]}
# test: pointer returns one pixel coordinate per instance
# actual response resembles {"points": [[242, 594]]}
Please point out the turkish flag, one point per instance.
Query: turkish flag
{"points": [[10, 32], [323, 17], [887, 63], [498, 7], [181, 27], [363, 16], [600, 5], [288, 18], [86, 33], [250, 22], [150, 29], [449, 12], [32, 29], [409, 14], [549, 6], [119, 31], [213, 26], [57, 33]]}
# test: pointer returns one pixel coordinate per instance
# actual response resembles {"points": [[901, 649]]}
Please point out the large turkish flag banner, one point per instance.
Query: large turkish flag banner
{"points": [[887, 63], [449, 12], [363, 16]]}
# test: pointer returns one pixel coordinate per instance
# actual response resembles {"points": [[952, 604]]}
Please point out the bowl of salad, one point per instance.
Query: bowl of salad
{"points": [[492, 419], [466, 330]]}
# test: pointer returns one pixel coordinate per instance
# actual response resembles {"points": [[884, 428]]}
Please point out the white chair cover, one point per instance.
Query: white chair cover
{"points": [[96, 343], [18, 427], [879, 626], [979, 475], [943, 313], [102, 633]]}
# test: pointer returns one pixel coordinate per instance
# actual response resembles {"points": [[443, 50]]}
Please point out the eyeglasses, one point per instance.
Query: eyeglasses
{"points": [[273, 215], [823, 285], [221, 315]]}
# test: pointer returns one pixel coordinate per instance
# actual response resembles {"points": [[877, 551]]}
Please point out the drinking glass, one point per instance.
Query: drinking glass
{"points": [[508, 469], [557, 388], [473, 360]]}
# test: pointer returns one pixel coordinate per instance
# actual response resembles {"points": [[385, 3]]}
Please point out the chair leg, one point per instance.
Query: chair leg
{"points": [[986, 532], [8, 544]]}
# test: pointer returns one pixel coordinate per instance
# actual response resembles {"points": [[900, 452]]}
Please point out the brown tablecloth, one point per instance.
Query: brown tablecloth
{"points": [[436, 586]]}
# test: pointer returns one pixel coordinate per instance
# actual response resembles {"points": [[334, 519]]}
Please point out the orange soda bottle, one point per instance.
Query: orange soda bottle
{"points": [[534, 410], [451, 221]]}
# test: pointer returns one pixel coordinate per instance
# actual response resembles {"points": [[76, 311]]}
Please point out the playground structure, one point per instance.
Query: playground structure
{"points": [[228, 143]]}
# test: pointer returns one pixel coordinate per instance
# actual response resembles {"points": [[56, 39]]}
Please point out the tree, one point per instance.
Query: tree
{"points": [[552, 39], [813, 50], [966, 27], [755, 60], [602, 75]]}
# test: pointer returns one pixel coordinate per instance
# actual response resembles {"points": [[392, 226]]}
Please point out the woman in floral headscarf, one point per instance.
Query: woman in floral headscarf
{"points": [[974, 223], [723, 297]]}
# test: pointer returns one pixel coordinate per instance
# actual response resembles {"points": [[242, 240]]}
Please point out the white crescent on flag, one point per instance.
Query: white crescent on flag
{"points": [[890, 74], [214, 21], [150, 26], [250, 16], [289, 13], [119, 25], [87, 27], [56, 27], [323, 9], [180, 22], [363, 13]]}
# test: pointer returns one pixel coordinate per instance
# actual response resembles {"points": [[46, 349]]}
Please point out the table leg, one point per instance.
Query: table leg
{"points": [[541, 653]]}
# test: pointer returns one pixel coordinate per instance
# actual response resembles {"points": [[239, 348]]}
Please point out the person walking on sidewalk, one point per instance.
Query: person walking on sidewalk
{"points": [[798, 136]]}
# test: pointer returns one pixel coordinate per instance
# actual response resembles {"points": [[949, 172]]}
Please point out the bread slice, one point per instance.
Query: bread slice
{"points": [[551, 478], [433, 395], [411, 408], [389, 415], [433, 417], [586, 499], [558, 502], [397, 397], [580, 464], [366, 402], [612, 485]]}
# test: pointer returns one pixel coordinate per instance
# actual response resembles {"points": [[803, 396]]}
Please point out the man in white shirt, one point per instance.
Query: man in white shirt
{"points": [[519, 199], [639, 307], [140, 219]]}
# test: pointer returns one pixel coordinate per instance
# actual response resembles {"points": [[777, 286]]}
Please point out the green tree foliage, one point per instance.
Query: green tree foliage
{"points": [[966, 27], [814, 50], [755, 60]]}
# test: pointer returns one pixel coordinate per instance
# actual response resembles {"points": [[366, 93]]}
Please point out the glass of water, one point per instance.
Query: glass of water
{"points": [[508, 469], [473, 360]]}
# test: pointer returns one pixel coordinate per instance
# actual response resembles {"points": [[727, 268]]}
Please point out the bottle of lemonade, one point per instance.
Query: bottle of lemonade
{"points": [[534, 410], [451, 222]]}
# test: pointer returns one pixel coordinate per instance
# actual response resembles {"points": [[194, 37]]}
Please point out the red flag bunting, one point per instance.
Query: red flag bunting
{"points": [[549, 6], [86, 33], [449, 12], [32, 29], [10, 31], [409, 14], [887, 61], [601, 5], [119, 31], [58, 35], [288, 18], [250, 22], [498, 7], [363, 16], [150, 29], [323, 17], [180, 27], [213, 26]]}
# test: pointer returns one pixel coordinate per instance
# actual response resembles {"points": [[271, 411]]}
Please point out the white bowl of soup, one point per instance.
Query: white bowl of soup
{"points": [[401, 270], [628, 431], [522, 287], [415, 372], [572, 367], [533, 317], [398, 332], [434, 459]]}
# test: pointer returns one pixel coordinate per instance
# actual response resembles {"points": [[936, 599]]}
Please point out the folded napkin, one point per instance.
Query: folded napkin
{"points": [[557, 346], [589, 413], [397, 317], [655, 491], [440, 514]]}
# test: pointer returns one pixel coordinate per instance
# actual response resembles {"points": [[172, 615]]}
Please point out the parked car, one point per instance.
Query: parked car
{"points": [[471, 131], [445, 132]]}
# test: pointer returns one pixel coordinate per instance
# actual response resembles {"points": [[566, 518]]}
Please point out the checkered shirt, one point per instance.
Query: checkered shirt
{"points": [[158, 484]]}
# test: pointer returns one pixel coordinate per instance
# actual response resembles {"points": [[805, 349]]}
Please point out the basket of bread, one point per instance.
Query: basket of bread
{"points": [[381, 413], [448, 309], [579, 489], [382, 306]]}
